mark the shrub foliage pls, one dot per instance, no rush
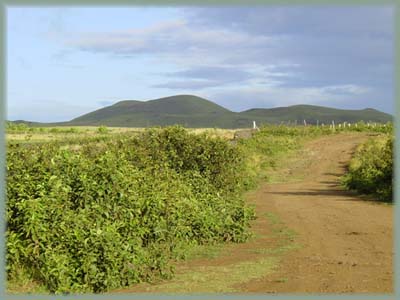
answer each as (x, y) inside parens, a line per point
(371, 169)
(115, 212)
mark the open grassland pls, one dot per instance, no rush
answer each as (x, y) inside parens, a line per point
(96, 209)
(24, 134)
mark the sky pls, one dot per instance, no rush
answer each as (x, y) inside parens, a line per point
(63, 62)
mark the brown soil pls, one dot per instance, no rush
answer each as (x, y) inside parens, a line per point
(341, 244)
(346, 242)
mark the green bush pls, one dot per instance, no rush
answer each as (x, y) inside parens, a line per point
(102, 129)
(115, 212)
(16, 127)
(72, 130)
(371, 169)
(54, 130)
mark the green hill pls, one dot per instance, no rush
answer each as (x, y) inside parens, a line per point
(193, 111)
(188, 110)
(312, 114)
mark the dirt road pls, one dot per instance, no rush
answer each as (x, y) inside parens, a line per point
(311, 236)
(346, 243)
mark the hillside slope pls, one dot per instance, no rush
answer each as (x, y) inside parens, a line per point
(188, 110)
(312, 114)
(193, 111)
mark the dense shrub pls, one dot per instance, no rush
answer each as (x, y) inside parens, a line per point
(115, 212)
(102, 129)
(16, 127)
(211, 157)
(371, 169)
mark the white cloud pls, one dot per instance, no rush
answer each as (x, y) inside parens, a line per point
(275, 96)
(294, 54)
(349, 89)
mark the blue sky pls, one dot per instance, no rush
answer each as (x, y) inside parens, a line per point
(64, 61)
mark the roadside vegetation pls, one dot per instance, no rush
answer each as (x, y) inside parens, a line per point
(371, 169)
(114, 213)
(92, 213)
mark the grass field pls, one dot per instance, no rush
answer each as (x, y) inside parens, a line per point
(45, 134)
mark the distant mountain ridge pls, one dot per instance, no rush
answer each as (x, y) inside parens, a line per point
(195, 112)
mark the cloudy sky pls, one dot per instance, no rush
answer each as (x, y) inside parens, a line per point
(64, 62)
